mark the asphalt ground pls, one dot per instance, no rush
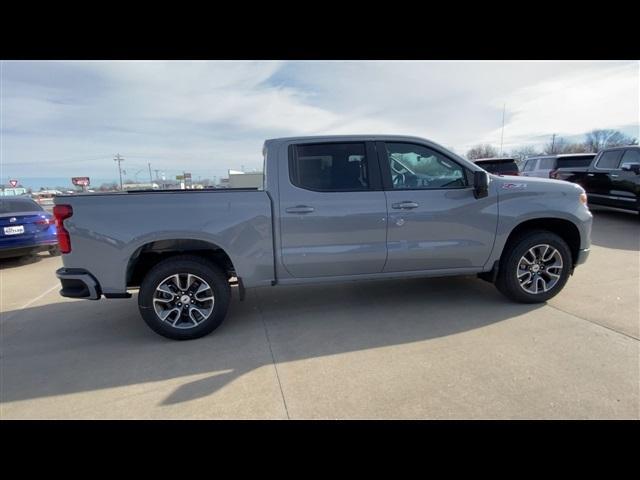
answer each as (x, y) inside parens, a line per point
(411, 349)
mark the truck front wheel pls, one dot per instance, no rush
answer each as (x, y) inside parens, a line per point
(184, 297)
(534, 267)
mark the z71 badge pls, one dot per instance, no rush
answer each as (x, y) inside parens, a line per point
(513, 186)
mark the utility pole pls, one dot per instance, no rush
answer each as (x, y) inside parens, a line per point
(504, 106)
(150, 177)
(553, 143)
(119, 159)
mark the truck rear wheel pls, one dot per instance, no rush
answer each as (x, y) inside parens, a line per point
(184, 297)
(534, 267)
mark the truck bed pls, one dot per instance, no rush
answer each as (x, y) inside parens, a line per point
(107, 230)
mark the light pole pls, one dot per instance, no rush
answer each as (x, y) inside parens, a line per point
(119, 159)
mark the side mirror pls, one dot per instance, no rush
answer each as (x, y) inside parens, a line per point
(480, 184)
(631, 167)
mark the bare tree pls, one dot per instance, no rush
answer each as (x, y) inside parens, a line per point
(596, 140)
(482, 151)
(520, 153)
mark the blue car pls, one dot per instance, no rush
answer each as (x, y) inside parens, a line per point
(25, 228)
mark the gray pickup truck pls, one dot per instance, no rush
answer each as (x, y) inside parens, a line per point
(332, 208)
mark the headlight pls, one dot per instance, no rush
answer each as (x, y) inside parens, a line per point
(583, 198)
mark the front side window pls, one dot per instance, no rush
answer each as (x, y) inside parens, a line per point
(609, 160)
(417, 167)
(631, 157)
(329, 167)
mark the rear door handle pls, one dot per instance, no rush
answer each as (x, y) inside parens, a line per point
(590, 174)
(614, 175)
(300, 209)
(405, 205)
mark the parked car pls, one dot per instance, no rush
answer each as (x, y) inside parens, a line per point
(499, 166)
(26, 228)
(334, 208)
(612, 179)
(546, 166)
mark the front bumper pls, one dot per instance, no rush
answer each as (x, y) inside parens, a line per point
(582, 256)
(78, 283)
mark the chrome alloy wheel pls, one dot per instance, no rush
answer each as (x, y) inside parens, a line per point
(539, 269)
(183, 300)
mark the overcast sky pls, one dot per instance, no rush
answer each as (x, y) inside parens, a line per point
(70, 118)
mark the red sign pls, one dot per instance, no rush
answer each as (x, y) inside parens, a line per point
(13, 183)
(81, 181)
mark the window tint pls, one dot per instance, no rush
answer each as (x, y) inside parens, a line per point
(15, 205)
(569, 162)
(631, 157)
(414, 166)
(546, 163)
(529, 165)
(329, 167)
(609, 160)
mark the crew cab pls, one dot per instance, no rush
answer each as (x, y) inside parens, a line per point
(612, 179)
(331, 209)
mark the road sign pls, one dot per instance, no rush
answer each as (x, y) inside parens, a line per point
(13, 183)
(80, 181)
(179, 177)
(187, 176)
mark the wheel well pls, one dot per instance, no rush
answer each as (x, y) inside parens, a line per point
(148, 255)
(563, 228)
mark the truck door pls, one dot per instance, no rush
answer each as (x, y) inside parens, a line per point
(435, 221)
(333, 213)
(599, 180)
(626, 180)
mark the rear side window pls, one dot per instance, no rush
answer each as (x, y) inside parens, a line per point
(329, 167)
(16, 205)
(530, 165)
(570, 162)
(546, 163)
(609, 160)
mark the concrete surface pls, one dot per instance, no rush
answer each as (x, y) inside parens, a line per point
(437, 348)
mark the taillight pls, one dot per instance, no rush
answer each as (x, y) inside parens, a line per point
(45, 221)
(61, 212)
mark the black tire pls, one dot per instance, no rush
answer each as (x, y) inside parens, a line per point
(507, 281)
(184, 264)
(55, 251)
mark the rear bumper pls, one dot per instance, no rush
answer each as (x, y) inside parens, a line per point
(582, 256)
(78, 283)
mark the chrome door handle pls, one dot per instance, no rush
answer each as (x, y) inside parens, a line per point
(405, 205)
(614, 175)
(590, 174)
(300, 209)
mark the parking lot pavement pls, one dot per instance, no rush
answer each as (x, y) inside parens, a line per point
(418, 348)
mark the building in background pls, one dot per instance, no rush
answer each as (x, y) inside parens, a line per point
(238, 179)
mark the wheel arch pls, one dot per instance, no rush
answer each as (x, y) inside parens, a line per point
(565, 229)
(150, 253)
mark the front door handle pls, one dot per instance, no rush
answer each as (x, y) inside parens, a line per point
(614, 175)
(300, 209)
(590, 174)
(405, 205)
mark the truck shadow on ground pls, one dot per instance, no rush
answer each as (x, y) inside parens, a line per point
(614, 229)
(13, 262)
(82, 346)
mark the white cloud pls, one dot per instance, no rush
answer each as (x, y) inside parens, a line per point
(210, 116)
